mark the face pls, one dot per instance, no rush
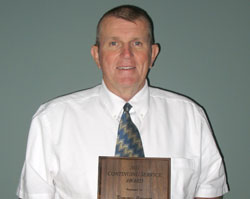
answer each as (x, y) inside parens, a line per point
(124, 55)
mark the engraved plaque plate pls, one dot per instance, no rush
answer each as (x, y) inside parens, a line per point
(134, 178)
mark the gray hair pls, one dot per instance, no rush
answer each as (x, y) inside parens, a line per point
(129, 13)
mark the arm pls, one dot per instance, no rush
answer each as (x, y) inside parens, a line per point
(220, 197)
(212, 182)
(36, 178)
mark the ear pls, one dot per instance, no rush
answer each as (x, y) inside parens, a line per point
(154, 53)
(95, 54)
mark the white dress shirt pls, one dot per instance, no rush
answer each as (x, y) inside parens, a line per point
(69, 133)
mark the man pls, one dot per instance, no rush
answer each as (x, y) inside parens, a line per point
(68, 134)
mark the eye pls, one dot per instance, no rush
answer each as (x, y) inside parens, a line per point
(138, 43)
(113, 43)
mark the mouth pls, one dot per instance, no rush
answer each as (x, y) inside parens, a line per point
(125, 67)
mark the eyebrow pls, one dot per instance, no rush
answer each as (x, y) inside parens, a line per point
(117, 38)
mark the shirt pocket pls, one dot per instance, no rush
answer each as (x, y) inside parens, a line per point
(182, 172)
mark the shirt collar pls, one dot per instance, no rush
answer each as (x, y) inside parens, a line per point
(115, 104)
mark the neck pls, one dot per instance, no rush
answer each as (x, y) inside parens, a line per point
(126, 93)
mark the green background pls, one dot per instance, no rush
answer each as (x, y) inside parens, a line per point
(205, 50)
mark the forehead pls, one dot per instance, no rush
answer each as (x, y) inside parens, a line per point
(113, 26)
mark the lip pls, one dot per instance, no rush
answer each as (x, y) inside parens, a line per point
(125, 67)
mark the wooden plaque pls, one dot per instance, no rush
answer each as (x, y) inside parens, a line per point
(134, 178)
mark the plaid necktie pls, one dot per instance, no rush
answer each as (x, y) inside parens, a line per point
(129, 142)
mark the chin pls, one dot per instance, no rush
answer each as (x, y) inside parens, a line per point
(127, 83)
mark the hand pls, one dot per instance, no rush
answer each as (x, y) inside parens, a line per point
(220, 197)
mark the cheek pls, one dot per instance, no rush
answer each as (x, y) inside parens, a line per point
(107, 59)
(144, 60)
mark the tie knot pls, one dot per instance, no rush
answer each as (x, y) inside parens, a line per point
(127, 107)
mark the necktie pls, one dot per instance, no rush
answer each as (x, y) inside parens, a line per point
(129, 142)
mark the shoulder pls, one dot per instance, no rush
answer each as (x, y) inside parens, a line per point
(158, 93)
(174, 100)
(78, 98)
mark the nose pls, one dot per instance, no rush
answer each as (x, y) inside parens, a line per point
(127, 51)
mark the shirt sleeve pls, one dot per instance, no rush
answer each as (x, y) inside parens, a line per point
(212, 181)
(36, 181)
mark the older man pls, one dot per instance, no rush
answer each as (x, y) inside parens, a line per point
(68, 134)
